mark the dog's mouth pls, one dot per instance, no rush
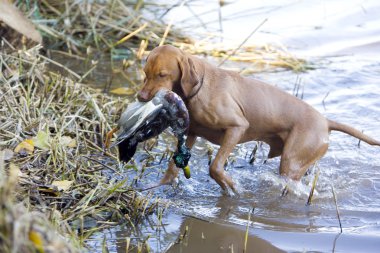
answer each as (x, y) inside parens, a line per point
(144, 96)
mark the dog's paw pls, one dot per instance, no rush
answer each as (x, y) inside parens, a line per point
(175, 182)
(168, 180)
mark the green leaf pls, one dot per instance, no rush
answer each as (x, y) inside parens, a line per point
(42, 140)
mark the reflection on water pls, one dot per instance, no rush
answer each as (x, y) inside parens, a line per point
(345, 88)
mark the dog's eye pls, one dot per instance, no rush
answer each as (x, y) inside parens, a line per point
(162, 74)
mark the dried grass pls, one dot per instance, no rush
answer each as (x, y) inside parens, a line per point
(261, 58)
(52, 129)
(74, 26)
(28, 231)
(126, 29)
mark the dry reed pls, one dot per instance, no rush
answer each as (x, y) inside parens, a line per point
(74, 26)
(51, 129)
(126, 29)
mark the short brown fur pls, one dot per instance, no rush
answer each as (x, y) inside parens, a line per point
(227, 109)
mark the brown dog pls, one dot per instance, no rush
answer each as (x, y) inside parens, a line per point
(227, 109)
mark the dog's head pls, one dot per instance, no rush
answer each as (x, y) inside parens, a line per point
(170, 68)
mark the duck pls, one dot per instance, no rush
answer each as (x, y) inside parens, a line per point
(144, 120)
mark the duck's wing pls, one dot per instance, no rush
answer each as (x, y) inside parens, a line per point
(151, 128)
(141, 117)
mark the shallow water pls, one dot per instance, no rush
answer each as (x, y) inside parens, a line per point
(345, 87)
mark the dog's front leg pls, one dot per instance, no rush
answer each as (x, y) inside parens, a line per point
(230, 138)
(172, 171)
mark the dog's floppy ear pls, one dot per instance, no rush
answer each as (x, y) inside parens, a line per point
(189, 75)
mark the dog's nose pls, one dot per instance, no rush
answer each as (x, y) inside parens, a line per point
(143, 96)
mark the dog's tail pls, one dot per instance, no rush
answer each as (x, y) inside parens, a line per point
(352, 131)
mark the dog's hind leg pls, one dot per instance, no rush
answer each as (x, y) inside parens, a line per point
(303, 148)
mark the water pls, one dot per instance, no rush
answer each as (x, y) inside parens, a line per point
(342, 40)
